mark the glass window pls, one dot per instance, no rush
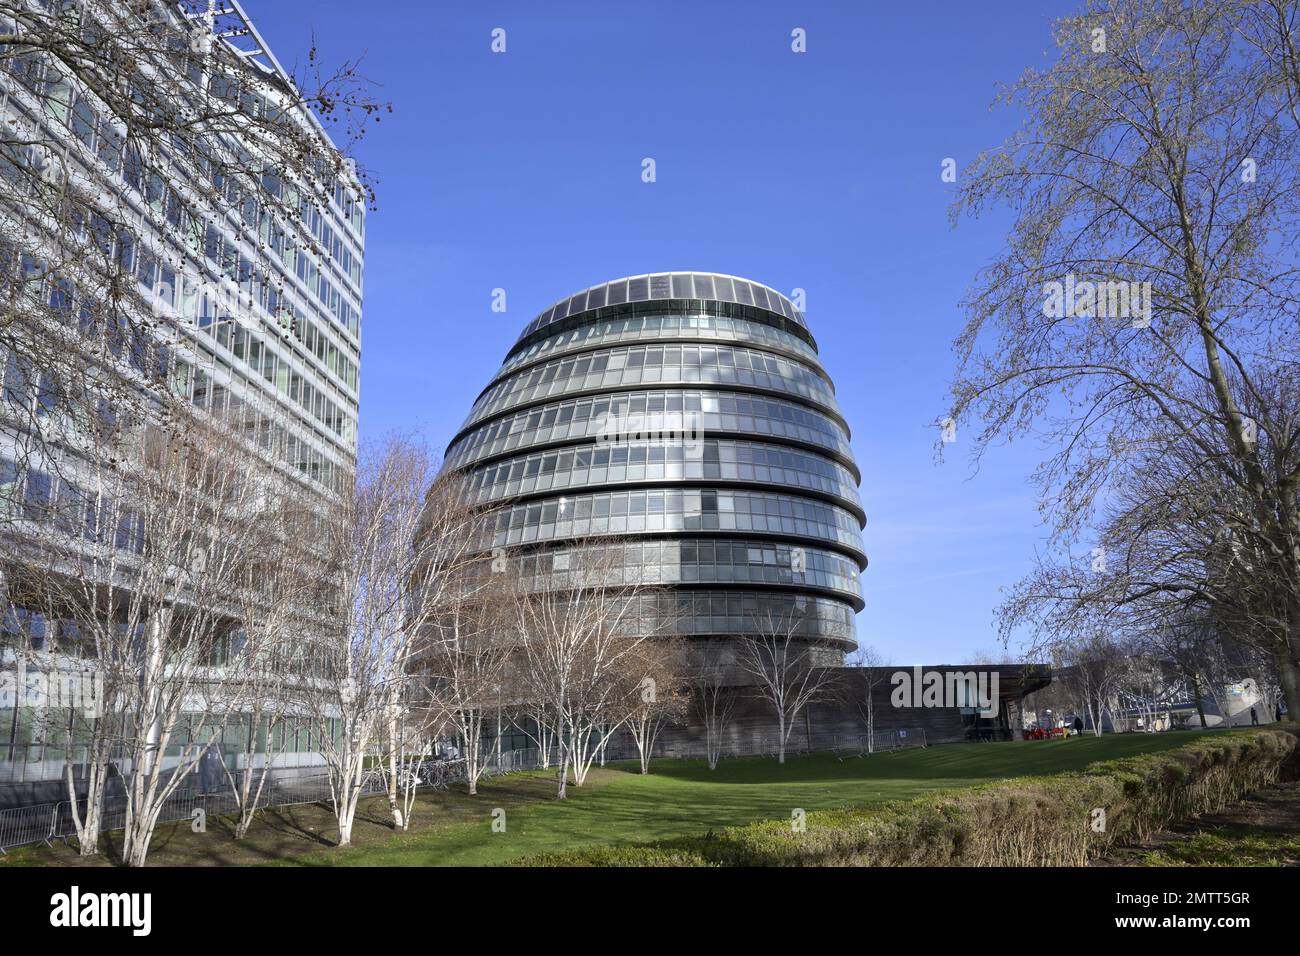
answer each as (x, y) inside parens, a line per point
(9, 485)
(38, 500)
(769, 416)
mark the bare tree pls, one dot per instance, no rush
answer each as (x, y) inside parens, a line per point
(1218, 671)
(468, 645)
(578, 625)
(1272, 27)
(378, 585)
(460, 623)
(1145, 685)
(786, 668)
(863, 691)
(1058, 698)
(1141, 319)
(142, 571)
(408, 727)
(658, 668)
(273, 597)
(194, 527)
(1093, 667)
(1181, 644)
(714, 695)
(535, 722)
(1260, 668)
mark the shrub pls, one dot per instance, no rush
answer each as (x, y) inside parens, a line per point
(1028, 821)
(647, 855)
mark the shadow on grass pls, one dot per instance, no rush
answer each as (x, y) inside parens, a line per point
(617, 806)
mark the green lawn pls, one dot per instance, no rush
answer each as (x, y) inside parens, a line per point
(1235, 846)
(618, 805)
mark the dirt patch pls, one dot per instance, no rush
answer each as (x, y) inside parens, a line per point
(1262, 830)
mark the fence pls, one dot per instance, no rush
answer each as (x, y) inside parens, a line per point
(896, 739)
(43, 763)
(878, 742)
(769, 745)
(47, 822)
(21, 825)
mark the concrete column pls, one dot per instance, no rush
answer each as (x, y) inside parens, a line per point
(1015, 718)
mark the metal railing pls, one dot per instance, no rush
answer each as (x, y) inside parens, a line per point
(769, 746)
(45, 763)
(884, 740)
(47, 822)
(880, 741)
(21, 825)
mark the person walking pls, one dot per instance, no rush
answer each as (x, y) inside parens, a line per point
(1254, 718)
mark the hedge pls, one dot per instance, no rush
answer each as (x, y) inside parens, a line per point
(1027, 821)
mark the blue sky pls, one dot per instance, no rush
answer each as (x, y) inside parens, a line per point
(818, 170)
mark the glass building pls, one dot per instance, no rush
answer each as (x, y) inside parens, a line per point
(247, 305)
(688, 417)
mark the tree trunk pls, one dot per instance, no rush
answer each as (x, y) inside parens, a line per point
(1288, 672)
(348, 807)
(345, 820)
(396, 762)
(139, 849)
(89, 844)
(138, 835)
(88, 826)
(151, 687)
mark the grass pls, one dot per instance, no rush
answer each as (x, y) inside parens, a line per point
(618, 806)
(1263, 830)
(1038, 819)
(1230, 846)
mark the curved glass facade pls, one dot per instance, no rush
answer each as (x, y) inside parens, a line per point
(636, 327)
(688, 417)
(709, 287)
(718, 413)
(713, 561)
(630, 366)
(690, 510)
(638, 462)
